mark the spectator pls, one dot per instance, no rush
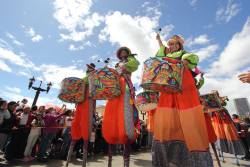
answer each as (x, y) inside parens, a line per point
(33, 109)
(91, 142)
(99, 138)
(23, 103)
(245, 77)
(50, 120)
(66, 135)
(20, 135)
(33, 136)
(7, 124)
(247, 131)
(4, 113)
(42, 109)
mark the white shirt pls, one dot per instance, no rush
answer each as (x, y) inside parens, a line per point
(35, 130)
(68, 123)
(92, 137)
(24, 119)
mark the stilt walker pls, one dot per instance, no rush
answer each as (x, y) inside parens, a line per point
(118, 117)
(181, 136)
(211, 134)
(82, 124)
(225, 130)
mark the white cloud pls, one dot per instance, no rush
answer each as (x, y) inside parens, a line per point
(145, 4)
(49, 36)
(22, 54)
(56, 74)
(193, 2)
(125, 30)
(208, 26)
(73, 48)
(206, 52)
(25, 74)
(75, 14)
(30, 32)
(14, 39)
(225, 15)
(5, 45)
(235, 56)
(4, 66)
(14, 97)
(94, 57)
(37, 38)
(17, 90)
(87, 43)
(202, 39)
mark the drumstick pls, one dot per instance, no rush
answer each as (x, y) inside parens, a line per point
(159, 30)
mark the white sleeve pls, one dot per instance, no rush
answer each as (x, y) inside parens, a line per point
(6, 114)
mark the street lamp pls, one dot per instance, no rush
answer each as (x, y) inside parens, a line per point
(143, 113)
(38, 90)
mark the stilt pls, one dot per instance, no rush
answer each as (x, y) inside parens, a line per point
(215, 153)
(71, 147)
(222, 158)
(85, 153)
(237, 162)
(111, 147)
(126, 155)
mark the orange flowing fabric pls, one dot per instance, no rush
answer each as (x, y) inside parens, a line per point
(224, 128)
(80, 125)
(210, 129)
(113, 125)
(151, 116)
(180, 118)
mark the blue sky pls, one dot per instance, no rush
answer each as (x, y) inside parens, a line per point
(52, 40)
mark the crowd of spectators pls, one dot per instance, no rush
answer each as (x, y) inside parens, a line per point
(27, 132)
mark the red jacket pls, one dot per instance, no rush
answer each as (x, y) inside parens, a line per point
(27, 130)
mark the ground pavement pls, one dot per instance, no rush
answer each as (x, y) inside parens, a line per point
(140, 158)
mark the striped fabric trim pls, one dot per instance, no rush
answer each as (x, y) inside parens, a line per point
(178, 109)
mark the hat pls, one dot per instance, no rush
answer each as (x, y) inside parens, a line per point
(91, 65)
(118, 52)
(176, 38)
(13, 103)
(214, 91)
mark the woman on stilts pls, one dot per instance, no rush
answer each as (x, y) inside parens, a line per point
(181, 137)
(82, 124)
(118, 117)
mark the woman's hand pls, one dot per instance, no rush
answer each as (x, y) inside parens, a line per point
(158, 37)
(106, 66)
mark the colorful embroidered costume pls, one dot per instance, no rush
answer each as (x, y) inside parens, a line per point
(82, 124)
(225, 130)
(118, 117)
(181, 136)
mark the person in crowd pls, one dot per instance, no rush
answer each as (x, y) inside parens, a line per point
(99, 139)
(8, 124)
(4, 113)
(23, 103)
(242, 134)
(66, 135)
(42, 109)
(35, 132)
(79, 148)
(246, 126)
(33, 110)
(20, 135)
(245, 78)
(50, 120)
(91, 142)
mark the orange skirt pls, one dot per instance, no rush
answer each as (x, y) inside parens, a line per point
(118, 118)
(211, 134)
(179, 117)
(82, 124)
(151, 116)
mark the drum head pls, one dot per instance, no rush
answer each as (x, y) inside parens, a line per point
(148, 107)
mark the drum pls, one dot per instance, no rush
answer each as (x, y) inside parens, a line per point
(211, 102)
(147, 101)
(104, 84)
(72, 90)
(162, 75)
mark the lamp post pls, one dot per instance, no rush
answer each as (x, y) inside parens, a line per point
(143, 113)
(38, 90)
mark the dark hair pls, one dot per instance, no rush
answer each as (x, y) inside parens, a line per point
(67, 112)
(246, 120)
(236, 116)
